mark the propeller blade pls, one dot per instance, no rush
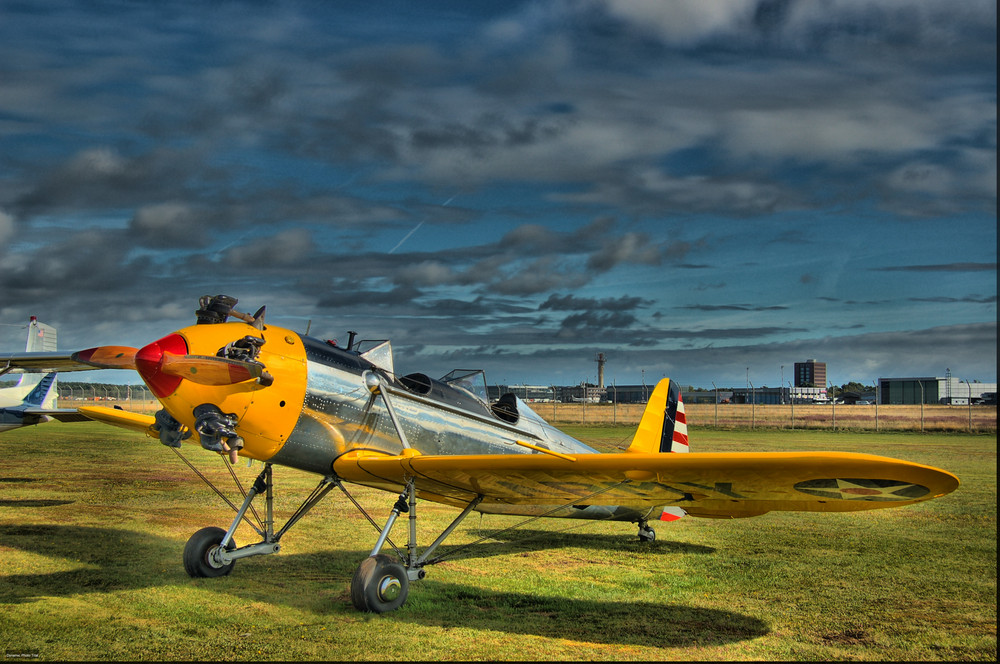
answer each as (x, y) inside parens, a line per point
(108, 357)
(208, 369)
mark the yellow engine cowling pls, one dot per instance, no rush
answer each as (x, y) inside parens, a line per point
(266, 411)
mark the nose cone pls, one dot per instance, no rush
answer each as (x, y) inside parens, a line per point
(149, 363)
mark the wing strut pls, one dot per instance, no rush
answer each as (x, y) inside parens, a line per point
(374, 384)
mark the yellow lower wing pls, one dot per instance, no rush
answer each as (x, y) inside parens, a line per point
(119, 418)
(710, 485)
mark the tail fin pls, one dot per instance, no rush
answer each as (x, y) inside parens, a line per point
(41, 339)
(40, 394)
(663, 427)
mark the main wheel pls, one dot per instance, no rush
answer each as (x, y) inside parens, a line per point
(198, 559)
(379, 585)
(647, 534)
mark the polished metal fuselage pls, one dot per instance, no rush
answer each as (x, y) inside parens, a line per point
(340, 414)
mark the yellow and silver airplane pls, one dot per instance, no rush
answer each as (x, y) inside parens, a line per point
(246, 389)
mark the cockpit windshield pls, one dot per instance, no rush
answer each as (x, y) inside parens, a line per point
(377, 351)
(472, 381)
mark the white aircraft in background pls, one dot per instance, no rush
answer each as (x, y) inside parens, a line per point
(33, 399)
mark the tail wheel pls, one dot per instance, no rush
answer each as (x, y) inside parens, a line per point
(646, 534)
(198, 558)
(379, 585)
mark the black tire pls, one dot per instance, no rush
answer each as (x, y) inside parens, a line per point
(379, 585)
(197, 558)
(647, 535)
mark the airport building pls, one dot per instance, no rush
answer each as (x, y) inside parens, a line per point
(947, 390)
(778, 395)
(810, 374)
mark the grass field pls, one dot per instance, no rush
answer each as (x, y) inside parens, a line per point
(93, 521)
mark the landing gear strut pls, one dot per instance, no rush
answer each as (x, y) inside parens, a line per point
(212, 552)
(382, 582)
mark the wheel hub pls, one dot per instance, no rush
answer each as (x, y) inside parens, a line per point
(212, 557)
(389, 588)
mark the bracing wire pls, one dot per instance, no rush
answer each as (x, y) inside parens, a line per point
(493, 535)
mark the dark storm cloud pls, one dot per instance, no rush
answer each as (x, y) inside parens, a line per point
(170, 225)
(572, 303)
(286, 249)
(481, 307)
(866, 302)
(731, 307)
(539, 276)
(975, 299)
(945, 267)
(535, 239)
(103, 178)
(728, 333)
(346, 294)
(349, 107)
(649, 191)
(598, 320)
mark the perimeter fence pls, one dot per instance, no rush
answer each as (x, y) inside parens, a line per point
(789, 416)
(871, 417)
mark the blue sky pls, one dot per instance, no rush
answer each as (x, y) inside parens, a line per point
(696, 189)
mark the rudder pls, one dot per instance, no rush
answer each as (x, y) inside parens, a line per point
(663, 427)
(41, 392)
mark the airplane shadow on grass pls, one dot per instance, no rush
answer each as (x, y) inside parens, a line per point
(522, 540)
(119, 560)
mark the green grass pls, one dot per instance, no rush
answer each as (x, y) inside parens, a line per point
(93, 521)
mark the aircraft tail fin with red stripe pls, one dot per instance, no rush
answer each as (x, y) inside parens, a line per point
(663, 429)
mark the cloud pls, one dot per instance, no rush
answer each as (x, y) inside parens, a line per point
(644, 189)
(288, 248)
(731, 307)
(6, 227)
(941, 267)
(800, 24)
(628, 248)
(572, 303)
(172, 224)
(602, 153)
(975, 299)
(539, 276)
(596, 320)
(684, 22)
